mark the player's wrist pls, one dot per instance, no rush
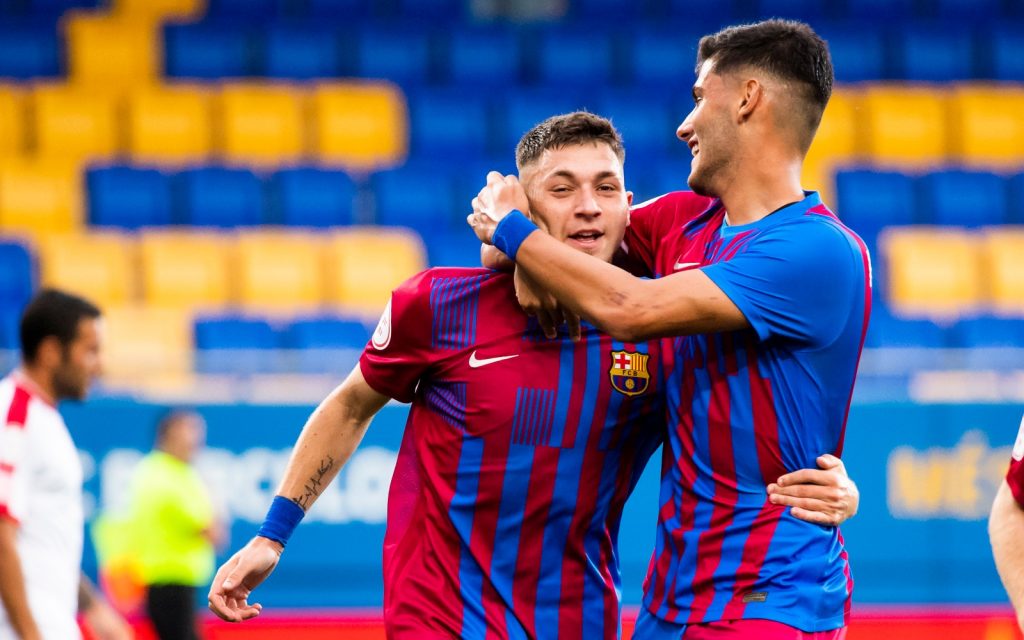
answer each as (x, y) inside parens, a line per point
(511, 231)
(282, 518)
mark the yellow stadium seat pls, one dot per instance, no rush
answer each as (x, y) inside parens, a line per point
(905, 126)
(1003, 250)
(112, 52)
(184, 270)
(279, 271)
(365, 264)
(144, 342)
(160, 9)
(39, 197)
(12, 122)
(988, 125)
(835, 143)
(99, 266)
(360, 126)
(261, 124)
(74, 122)
(169, 125)
(933, 271)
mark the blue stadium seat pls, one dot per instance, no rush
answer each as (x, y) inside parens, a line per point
(244, 10)
(886, 330)
(419, 196)
(1016, 186)
(663, 59)
(967, 10)
(235, 344)
(9, 320)
(574, 57)
(399, 55)
(312, 197)
(987, 331)
(858, 52)
(453, 248)
(28, 49)
(16, 275)
(326, 332)
(57, 7)
(878, 12)
(964, 198)
(219, 197)
(207, 50)
(128, 198)
(937, 54)
(432, 10)
(624, 13)
(448, 124)
(302, 52)
(484, 57)
(869, 200)
(347, 9)
(1007, 47)
(521, 109)
(647, 127)
(710, 15)
(812, 11)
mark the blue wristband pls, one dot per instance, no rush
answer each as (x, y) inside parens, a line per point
(511, 232)
(282, 518)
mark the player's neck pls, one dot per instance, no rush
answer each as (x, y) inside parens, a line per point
(757, 191)
(39, 382)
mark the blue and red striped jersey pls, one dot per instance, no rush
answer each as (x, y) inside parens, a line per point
(518, 455)
(747, 407)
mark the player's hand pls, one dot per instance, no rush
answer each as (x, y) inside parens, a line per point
(235, 580)
(541, 304)
(496, 200)
(824, 496)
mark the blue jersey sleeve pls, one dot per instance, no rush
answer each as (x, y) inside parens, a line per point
(797, 281)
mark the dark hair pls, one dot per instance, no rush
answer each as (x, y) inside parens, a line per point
(580, 127)
(52, 313)
(170, 418)
(787, 49)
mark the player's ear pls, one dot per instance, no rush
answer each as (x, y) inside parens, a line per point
(752, 94)
(629, 202)
(49, 353)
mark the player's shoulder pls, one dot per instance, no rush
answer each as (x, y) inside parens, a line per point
(20, 405)
(820, 225)
(424, 282)
(677, 202)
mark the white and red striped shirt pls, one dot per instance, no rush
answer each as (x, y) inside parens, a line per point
(41, 490)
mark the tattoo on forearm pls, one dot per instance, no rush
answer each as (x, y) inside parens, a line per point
(315, 484)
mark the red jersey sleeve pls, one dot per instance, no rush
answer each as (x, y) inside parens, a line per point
(399, 352)
(1015, 476)
(651, 221)
(15, 475)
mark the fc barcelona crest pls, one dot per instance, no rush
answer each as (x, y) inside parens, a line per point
(629, 372)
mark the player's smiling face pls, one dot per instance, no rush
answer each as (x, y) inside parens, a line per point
(577, 194)
(709, 131)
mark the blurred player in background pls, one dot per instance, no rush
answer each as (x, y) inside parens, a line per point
(519, 451)
(41, 520)
(1006, 528)
(769, 297)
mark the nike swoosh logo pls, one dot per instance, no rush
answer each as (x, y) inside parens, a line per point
(476, 363)
(679, 266)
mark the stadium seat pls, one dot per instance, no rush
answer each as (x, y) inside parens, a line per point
(1003, 251)
(234, 344)
(657, 56)
(812, 11)
(858, 54)
(54, 8)
(335, 9)
(160, 10)
(892, 332)
(112, 52)
(184, 269)
(521, 109)
(146, 343)
(964, 198)
(128, 198)
(1017, 199)
(259, 11)
(17, 275)
(937, 54)
(574, 57)
(418, 196)
(869, 200)
(10, 318)
(448, 124)
(881, 11)
(361, 126)
(261, 124)
(835, 144)
(303, 52)
(74, 122)
(219, 197)
(431, 10)
(647, 128)
(712, 15)
(39, 197)
(366, 264)
(1007, 47)
(484, 57)
(29, 49)
(988, 124)
(326, 332)
(933, 272)
(208, 51)
(312, 197)
(905, 125)
(279, 271)
(169, 125)
(987, 331)
(953, 11)
(12, 122)
(99, 266)
(402, 56)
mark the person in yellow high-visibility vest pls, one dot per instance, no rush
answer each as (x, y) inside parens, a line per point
(173, 525)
